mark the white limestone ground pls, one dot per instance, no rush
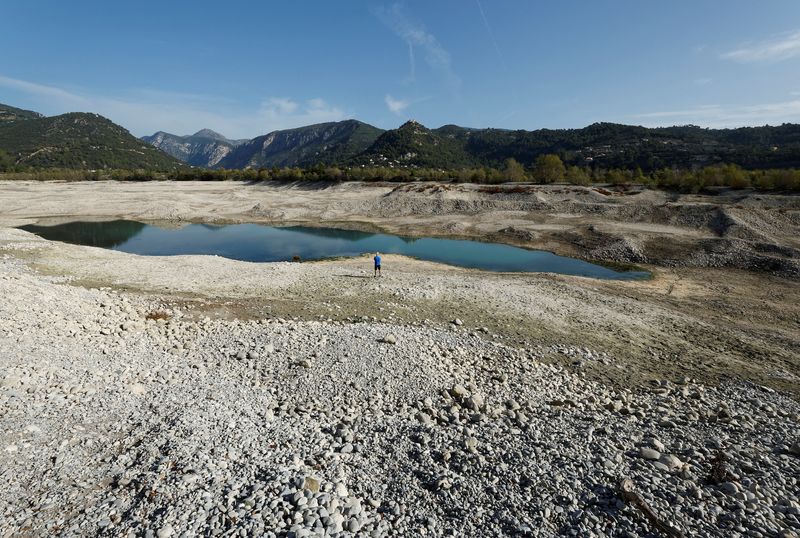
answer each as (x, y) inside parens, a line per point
(115, 425)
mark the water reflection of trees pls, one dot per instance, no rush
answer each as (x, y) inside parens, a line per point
(331, 233)
(408, 240)
(96, 234)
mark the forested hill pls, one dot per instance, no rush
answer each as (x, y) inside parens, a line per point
(605, 145)
(76, 140)
(10, 113)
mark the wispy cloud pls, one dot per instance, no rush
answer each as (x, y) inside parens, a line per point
(416, 36)
(145, 111)
(704, 81)
(781, 47)
(396, 106)
(726, 116)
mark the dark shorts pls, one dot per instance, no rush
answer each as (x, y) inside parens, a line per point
(377, 266)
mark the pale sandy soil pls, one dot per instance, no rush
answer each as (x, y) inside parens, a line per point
(710, 323)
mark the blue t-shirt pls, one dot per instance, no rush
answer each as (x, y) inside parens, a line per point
(377, 260)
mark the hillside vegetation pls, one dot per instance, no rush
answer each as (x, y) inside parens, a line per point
(77, 140)
(605, 145)
(10, 113)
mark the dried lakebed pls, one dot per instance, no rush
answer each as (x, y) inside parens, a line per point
(318, 401)
(118, 425)
(260, 243)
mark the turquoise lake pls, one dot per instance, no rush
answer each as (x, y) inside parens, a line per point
(261, 243)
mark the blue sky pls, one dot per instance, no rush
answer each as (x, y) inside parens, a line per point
(246, 68)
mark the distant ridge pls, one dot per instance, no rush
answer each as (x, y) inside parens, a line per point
(75, 140)
(323, 143)
(205, 148)
(10, 113)
(606, 145)
(83, 140)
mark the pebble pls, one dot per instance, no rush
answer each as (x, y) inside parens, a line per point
(649, 453)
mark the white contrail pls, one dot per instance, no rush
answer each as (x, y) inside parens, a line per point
(499, 55)
(491, 34)
(412, 63)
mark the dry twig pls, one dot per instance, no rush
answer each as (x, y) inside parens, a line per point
(627, 493)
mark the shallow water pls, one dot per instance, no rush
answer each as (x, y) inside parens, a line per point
(260, 243)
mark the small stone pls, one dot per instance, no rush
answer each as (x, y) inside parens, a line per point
(443, 483)
(729, 488)
(459, 392)
(686, 471)
(165, 531)
(458, 322)
(424, 418)
(649, 453)
(252, 355)
(389, 339)
(671, 461)
(474, 402)
(312, 484)
(10, 381)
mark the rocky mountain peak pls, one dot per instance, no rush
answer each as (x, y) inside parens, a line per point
(208, 133)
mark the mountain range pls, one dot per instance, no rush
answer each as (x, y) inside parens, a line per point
(85, 140)
(608, 145)
(205, 148)
(323, 143)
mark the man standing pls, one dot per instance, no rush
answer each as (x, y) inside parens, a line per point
(377, 260)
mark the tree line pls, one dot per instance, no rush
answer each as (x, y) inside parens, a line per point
(546, 169)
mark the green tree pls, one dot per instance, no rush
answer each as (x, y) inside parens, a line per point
(578, 176)
(6, 162)
(333, 173)
(735, 177)
(549, 169)
(617, 177)
(514, 171)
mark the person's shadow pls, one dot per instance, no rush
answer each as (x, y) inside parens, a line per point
(356, 276)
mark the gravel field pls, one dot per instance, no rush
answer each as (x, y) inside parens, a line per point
(198, 396)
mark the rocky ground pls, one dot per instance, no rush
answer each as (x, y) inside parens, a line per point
(193, 396)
